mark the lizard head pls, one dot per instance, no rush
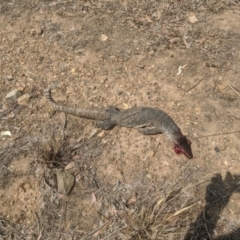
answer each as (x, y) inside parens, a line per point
(183, 145)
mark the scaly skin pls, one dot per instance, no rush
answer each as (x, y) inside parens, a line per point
(148, 121)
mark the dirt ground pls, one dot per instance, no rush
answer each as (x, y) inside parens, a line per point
(180, 56)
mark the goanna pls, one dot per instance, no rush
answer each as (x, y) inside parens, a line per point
(147, 120)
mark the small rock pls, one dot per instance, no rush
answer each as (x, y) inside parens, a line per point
(213, 65)
(103, 79)
(70, 165)
(54, 84)
(151, 153)
(217, 150)
(221, 87)
(149, 176)
(40, 59)
(6, 133)
(151, 52)
(195, 134)
(39, 31)
(101, 134)
(20, 50)
(94, 133)
(22, 100)
(192, 18)
(13, 95)
(126, 58)
(62, 66)
(65, 181)
(125, 105)
(207, 64)
(142, 66)
(104, 38)
(8, 77)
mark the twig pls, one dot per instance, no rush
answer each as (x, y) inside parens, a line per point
(197, 83)
(64, 127)
(40, 235)
(234, 89)
(209, 236)
(119, 230)
(39, 223)
(95, 230)
(218, 134)
(221, 198)
(232, 114)
(201, 91)
(181, 68)
(62, 215)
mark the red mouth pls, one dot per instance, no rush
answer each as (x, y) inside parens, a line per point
(180, 151)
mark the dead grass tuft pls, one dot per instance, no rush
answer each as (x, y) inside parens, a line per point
(163, 214)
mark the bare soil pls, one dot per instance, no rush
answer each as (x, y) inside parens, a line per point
(180, 56)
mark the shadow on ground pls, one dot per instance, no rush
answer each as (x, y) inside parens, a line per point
(218, 193)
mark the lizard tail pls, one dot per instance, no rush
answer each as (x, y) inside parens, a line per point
(94, 114)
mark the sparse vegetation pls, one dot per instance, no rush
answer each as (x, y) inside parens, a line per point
(181, 56)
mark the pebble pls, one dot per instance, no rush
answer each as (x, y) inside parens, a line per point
(94, 132)
(151, 52)
(101, 134)
(151, 153)
(104, 37)
(103, 79)
(62, 66)
(65, 181)
(39, 30)
(23, 100)
(54, 84)
(6, 133)
(8, 77)
(149, 176)
(13, 95)
(217, 150)
(221, 87)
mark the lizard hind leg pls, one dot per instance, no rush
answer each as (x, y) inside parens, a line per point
(108, 124)
(105, 125)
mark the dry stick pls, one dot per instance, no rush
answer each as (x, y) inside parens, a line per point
(64, 127)
(218, 134)
(232, 114)
(197, 83)
(40, 235)
(201, 91)
(234, 89)
(221, 198)
(62, 215)
(39, 224)
(95, 230)
(206, 225)
(119, 230)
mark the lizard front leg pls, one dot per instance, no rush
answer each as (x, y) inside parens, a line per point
(149, 131)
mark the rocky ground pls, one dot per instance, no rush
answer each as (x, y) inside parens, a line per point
(180, 56)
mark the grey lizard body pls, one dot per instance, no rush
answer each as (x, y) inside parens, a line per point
(146, 120)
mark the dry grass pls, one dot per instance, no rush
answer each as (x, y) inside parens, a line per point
(147, 214)
(163, 211)
(175, 209)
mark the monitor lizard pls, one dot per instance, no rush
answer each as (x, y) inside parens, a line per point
(147, 120)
